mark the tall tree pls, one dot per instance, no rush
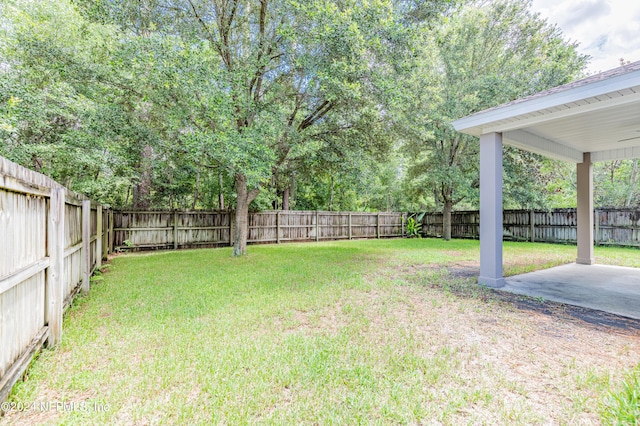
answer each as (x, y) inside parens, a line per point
(282, 69)
(481, 57)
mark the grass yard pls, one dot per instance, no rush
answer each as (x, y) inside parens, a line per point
(327, 333)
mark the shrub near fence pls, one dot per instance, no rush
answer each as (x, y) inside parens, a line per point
(50, 242)
(185, 229)
(611, 226)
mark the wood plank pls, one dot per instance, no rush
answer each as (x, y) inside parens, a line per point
(175, 230)
(99, 236)
(195, 243)
(72, 295)
(86, 243)
(54, 286)
(156, 228)
(17, 369)
(73, 199)
(15, 185)
(110, 232)
(23, 274)
(203, 228)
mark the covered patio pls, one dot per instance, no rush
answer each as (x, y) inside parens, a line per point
(591, 120)
(612, 289)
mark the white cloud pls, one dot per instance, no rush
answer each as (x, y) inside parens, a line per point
(607, 30)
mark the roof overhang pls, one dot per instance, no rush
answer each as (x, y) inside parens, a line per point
(599, 114)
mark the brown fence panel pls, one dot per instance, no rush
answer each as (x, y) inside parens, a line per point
(612, 226)
(144, 230)
(203, 229)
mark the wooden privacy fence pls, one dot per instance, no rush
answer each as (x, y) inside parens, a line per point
(611, 226)
(184, 229)
(51, 240)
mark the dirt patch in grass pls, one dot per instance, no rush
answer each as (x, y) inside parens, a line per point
(464, 270)
(599, 320)
(495, 360)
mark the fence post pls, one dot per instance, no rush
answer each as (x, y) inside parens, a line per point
(110, 232)
(532, 225)
(55, 273)
(86, 245)
(597, 224)
(105, 234)
(99, 236)
(175, 229)
(231, 228)
(402, 224)
(278, 227)
(350, 232)
(317, 227)
(378, 225)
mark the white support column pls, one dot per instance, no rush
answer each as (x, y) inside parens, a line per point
(585, 211)
(491, 210)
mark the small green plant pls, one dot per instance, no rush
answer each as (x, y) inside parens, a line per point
(126, 246)
(622, 407)
(413, 228)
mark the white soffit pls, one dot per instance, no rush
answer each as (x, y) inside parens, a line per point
(600, 114)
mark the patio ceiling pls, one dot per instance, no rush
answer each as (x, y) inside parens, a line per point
(599, 114)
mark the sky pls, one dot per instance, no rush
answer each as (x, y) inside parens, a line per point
(607, 30)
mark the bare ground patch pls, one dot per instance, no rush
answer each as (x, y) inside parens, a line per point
(495, 364)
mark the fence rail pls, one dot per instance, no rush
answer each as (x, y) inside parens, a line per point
(184, 229)
(611, 226)
(51, 240)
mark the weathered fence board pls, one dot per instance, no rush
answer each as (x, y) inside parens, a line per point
(141, 230)
(612, 226)
(41, 247)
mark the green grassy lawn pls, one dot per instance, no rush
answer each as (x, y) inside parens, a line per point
(323, 333)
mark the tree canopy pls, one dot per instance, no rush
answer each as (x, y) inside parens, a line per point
(321, 104)
(481, 57)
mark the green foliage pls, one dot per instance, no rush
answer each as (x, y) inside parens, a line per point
(481, 57)
(413, 228)
(345, 105)
(616, 183)
(622, 406)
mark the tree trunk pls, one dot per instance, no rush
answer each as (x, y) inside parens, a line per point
(292, 189)
(245, 197)
(446, 220)
(331, 195)
(220, 192)
(285, 199)
(196, 191)
(142, 190)
(633, 180)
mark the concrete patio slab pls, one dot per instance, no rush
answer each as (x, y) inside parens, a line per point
(611, 289)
